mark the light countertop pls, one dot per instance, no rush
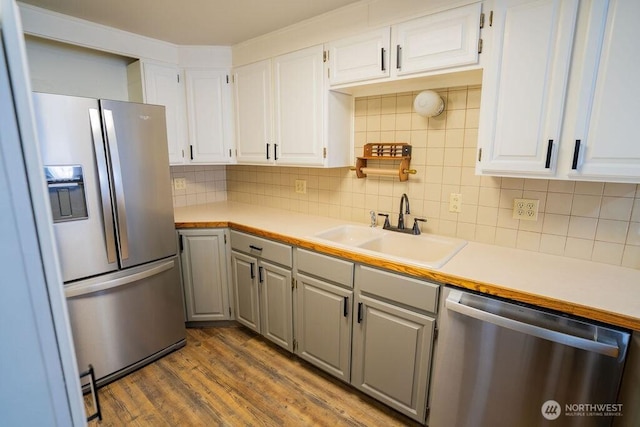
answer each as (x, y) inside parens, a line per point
(602, 292)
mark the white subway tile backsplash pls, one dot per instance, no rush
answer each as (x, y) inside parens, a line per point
(587, 220)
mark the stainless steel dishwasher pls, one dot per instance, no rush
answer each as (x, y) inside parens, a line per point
(505, 364)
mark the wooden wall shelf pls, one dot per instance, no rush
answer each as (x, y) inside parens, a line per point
(385, 152)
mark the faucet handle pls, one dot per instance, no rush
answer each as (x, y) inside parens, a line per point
(415, 229)
(387, 224)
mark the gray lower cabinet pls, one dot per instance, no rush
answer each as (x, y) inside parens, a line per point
(393, 339)
(323, 326)
(262, 282)
(203, 258)
(324, 311)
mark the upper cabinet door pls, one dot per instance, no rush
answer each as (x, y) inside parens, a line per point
(604, 142)
(524, 86)
(298, 107)
(253, 108)
(163, 85)
(209, 112)
(362, 57)
(437, 41)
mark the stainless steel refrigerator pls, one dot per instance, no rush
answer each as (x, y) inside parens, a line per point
(107, 170)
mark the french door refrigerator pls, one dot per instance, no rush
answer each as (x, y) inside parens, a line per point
(107, 170)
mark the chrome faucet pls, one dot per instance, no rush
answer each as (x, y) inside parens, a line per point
(403, 200)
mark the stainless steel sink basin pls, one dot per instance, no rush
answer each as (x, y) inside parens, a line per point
(426, 250)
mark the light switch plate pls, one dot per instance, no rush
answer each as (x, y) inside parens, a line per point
(525, 209)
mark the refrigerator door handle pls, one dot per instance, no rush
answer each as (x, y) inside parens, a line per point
(103, 178)
(112, 143)
(79, 289)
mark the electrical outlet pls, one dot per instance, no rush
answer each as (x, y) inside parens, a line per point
(525, 209)
(455, 202)
(301, 186)
(179, 183)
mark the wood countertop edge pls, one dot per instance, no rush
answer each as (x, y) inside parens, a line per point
(579, 310)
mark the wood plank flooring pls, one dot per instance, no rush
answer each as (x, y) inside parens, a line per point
(230, 376)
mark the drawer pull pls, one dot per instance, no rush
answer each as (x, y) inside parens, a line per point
(255, 248)
(359, 312)
(345, 311)
(253, 274)
(260, 274)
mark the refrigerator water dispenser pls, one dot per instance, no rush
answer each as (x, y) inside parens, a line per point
(66, 192)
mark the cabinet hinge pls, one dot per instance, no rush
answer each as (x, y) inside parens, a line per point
(491, 18)
(324, 153)
(482, 20)
(295, 344)
(293, 283)
(435, 333)
(325, 55)
(328, 73)
(229, 311)
(479, 45)
(183, 154)
(480, 154)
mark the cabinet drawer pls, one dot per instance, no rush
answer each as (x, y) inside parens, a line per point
(405, 290)
(326, 267)
(263, 248)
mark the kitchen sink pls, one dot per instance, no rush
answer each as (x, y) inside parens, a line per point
(426, 250)
(351, 235)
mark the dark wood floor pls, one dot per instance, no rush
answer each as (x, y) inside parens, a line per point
(229, 376)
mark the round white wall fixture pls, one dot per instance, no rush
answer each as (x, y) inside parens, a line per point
(428, 104)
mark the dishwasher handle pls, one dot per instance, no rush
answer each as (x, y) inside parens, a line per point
(453, 303)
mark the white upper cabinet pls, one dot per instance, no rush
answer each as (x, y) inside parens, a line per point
(524, 86)
(209, 113)
(560, 92)
(286, 116)
(198, 109)
(421, 46)
(362, 57)
(163, 85)
(298, 113)
(253, 112)
(442, 40)
(603, 140)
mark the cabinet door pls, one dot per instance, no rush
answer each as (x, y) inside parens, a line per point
(441, 40)
(275, 304)
(204, 270)
(253, 108)
(323, 325)
(209, 112)
(392, 355)
(524, 86)
(362, 57)
(245, 283)
(298, 107)
(609, 101)
(163, 85)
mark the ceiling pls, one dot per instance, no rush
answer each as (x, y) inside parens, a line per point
(194, 22)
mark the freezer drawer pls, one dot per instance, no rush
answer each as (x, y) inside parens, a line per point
(122, 320)
(505, 364)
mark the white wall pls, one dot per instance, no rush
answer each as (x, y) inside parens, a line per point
(71, 70)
